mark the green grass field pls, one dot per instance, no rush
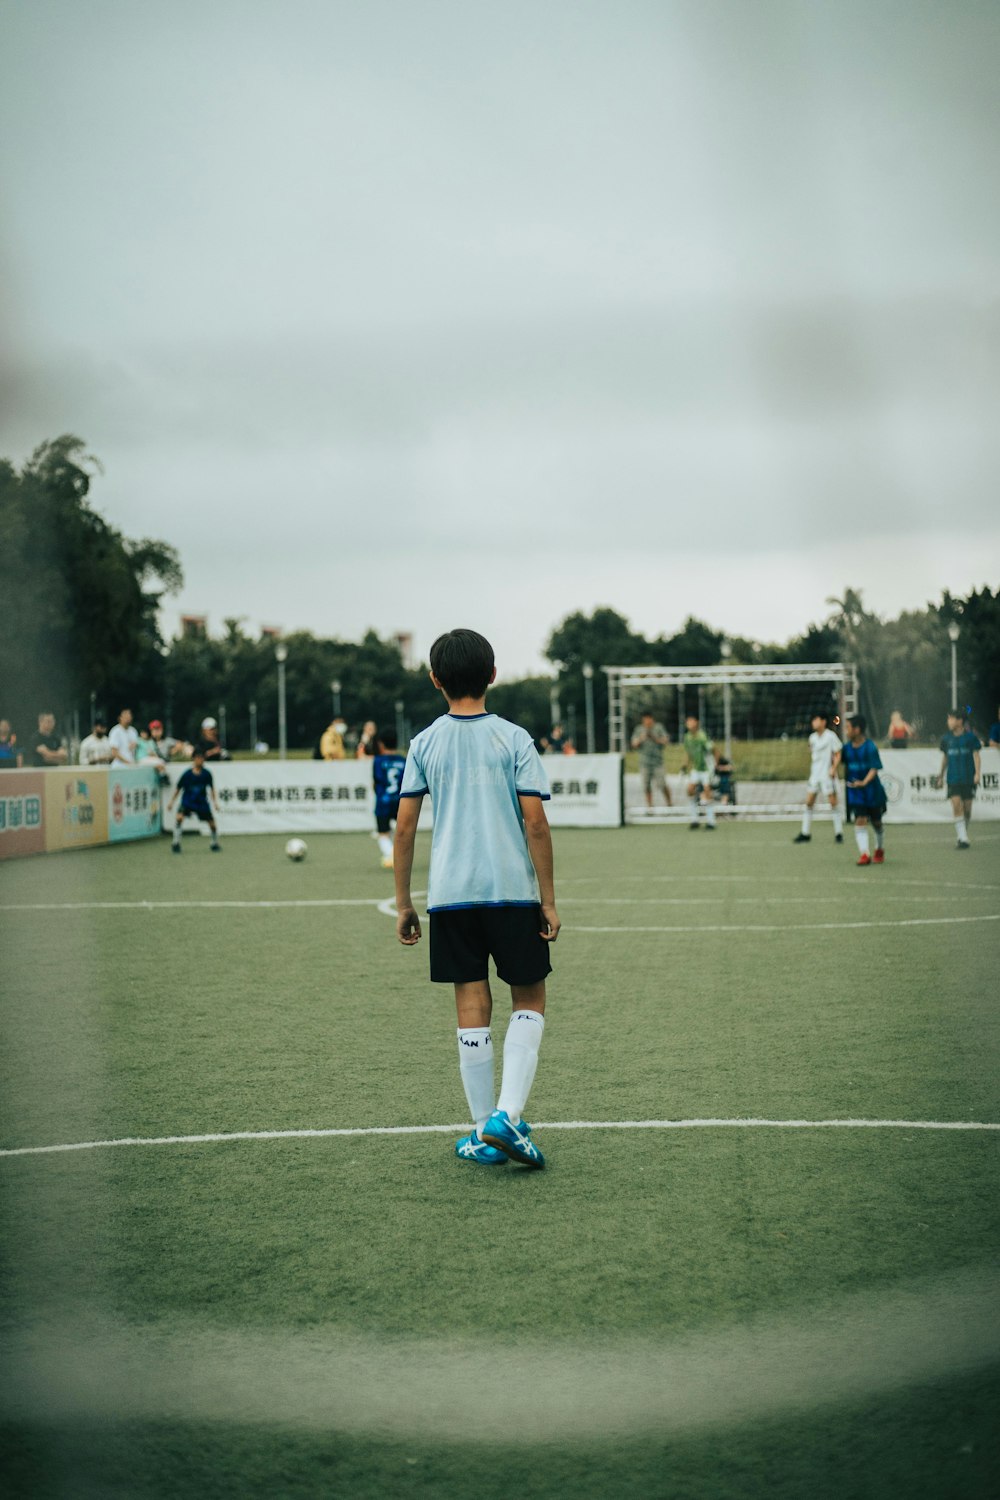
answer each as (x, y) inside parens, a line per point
(719, 1310)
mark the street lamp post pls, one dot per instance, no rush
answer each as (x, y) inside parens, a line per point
(953, 634)
(254, 737)
(588, 693)
(726, 651)
(281, 656)
(555, 712)
(400, 727)
(335, 690)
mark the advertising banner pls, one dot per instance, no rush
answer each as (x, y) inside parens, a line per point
(133, 803)
(909, 778)
(303, 796)
(22, 813)
(76, 807)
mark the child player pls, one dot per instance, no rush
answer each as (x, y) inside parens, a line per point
(698, 749)
(866, 798)
(824, 751)
(490, 893)
(194, 788)
(387, 776)
(960, 763)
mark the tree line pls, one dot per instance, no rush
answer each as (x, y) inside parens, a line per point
(83, 610)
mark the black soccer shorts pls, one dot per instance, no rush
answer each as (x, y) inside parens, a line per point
(964, 789)
(463, 941)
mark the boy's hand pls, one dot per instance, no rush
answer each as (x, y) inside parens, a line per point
(407, 926)
(550, 917)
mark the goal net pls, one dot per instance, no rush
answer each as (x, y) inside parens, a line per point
(758, 719)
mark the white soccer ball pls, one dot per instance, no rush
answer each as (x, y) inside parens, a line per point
(296, 849)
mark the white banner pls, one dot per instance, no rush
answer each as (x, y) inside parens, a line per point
(909, 780)
(336, 796)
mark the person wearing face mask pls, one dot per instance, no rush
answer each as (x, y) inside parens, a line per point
(331, 744)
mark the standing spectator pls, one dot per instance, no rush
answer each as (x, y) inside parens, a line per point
(123, 739)
(368, 743)
(147, 754)
(649, 739)
(95, 748)
(49, 748)
(331, 741)
(555, 741)
(960, 759)
(724, 783)
(208, 743)
(11, 758)
(900, 733)
(995, 732)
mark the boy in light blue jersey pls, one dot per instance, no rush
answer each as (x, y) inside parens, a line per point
(491, 891)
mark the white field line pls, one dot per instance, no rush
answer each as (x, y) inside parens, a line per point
(372, 901)
(796, 926)
(329, 1378)
(695, 1124)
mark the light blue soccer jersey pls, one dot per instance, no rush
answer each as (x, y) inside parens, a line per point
(474, 769)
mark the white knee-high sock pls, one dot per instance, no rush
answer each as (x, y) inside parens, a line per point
(807, 817)
(838, 820)
(695, 808)
(861, 835)
(520, 1059)
(880, 838)
(385, 845)
(961, 830)
(475, 1063)
(710, 814)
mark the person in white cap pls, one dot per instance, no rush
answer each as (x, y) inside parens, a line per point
(208, 742)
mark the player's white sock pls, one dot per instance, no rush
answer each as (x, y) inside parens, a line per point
(475, 1063)
(807, 817)
(385, 845)
(880, 838)
(695, 808)
(838, 821)
(861, 835)
(961, 831)
(520, 1059)
(710, 814)
(177, 837)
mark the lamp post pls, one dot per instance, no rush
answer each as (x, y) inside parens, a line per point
(281, 656)
(253, 727)
(588, 693)
(335, 690)
(555, 712)
(953, 634)
(400, 727)
(726, 651)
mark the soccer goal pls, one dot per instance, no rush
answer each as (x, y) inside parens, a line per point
(758, 717)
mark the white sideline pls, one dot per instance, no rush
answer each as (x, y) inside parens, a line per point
(694, 1124)
(797, 926)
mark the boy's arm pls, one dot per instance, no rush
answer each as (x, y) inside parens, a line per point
(539, 837)
(407, 921)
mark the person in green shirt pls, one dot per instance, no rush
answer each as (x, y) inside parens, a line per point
(700, 765)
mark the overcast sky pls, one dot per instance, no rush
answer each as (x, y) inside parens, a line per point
(414, 314)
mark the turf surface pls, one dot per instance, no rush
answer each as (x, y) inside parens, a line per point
(383, 1277)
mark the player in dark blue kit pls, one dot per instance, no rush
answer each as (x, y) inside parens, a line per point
(387, 774)
(194, 789)
(866, 799)
(960, 762)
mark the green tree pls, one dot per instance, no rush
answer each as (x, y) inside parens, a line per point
(82, 598)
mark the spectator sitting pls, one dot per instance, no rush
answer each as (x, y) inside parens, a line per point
(95, 748)
(723, 780)
(552, 743)
(164, 744)
(208, 745)
(331, 742)
(994, 740)
(123, 739)
(568, 747)
(11, 758)
(50, 749)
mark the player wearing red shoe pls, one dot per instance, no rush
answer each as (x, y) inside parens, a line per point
(866, 799)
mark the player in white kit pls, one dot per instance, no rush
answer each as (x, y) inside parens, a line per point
(824, 750)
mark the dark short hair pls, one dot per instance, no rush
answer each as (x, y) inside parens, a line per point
(387, 738)
(957, 713)
(858, 721)
(822, 713)
(100, 720)
(647, 713)
(462, 661)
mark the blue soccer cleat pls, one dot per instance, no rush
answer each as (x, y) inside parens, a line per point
(472, 1148)
(514, 1140)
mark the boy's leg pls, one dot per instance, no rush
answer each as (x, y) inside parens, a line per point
(709, 808)
(214, 842)
(958, 809)
(474, 1006)
(879, 840)
(694, 795)
(175, 843)
(838, 821)
(861, 836)
(520, 1048)
(807, 815)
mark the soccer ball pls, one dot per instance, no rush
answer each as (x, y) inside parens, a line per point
(296, 849)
